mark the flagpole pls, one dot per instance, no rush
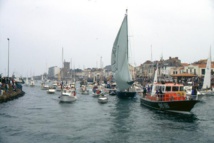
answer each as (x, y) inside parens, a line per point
(8, 57)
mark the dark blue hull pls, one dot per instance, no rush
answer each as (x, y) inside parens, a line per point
(126, 95)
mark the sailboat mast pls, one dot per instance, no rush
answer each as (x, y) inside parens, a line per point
(62, 57)
(127, 34)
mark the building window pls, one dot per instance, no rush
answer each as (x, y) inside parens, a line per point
(168, 88)
(203, 71)
(175, 72)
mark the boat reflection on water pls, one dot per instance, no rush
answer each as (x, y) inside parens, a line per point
(171, 116)
(123, 122)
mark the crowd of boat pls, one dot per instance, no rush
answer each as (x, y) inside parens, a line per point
(164, 96)
(159, 95)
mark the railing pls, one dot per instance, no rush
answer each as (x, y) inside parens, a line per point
(173, 96)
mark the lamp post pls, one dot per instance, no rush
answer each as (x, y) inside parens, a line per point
(8, 57)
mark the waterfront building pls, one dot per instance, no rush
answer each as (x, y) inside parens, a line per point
(53, 72)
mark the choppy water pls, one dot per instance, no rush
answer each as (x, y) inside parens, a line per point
(38, 117)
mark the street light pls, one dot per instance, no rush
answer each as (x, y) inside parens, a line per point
(8, 57)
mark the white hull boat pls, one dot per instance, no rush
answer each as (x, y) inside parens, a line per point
(51, 91)
(67, 98)
(44, 87)
(68, 95)
(95, 95)
(103, 99)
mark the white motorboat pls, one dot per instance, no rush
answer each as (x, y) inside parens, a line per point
(97, 93)
(103, 99)
(83, 90)
(68, 96)
(44, 86)
(51, 91)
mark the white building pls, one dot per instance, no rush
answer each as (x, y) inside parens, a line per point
(53, 72)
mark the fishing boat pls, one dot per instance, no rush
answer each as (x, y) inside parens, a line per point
(207, 88)
(120, 63)
(169, 97)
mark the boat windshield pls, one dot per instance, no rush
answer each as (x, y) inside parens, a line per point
(175, 88)
(168, 88)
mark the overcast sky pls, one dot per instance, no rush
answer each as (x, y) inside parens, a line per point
(86, 30)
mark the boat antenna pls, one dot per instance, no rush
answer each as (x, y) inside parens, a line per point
(126, 11)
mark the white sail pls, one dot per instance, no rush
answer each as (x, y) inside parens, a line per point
(26, 81)
(207, 77)
(155, 81)
(119, 58)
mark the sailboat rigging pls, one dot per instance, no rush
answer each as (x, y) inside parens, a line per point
(120, 64)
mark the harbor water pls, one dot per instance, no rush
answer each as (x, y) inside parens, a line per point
(38, 117)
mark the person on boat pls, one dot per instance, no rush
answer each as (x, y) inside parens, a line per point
(160, 94)
(95, 88)
(194, 93)
(62, 85)
(149, 89)
(73, 87)
(144, 91)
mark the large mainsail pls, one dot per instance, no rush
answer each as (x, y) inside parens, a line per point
(119, 58)
(207, 77)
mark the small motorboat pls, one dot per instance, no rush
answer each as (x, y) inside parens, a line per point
(44, 86)
(97, 93)
(51, 91)
(103, 98)
(68, 96)
(84, 90)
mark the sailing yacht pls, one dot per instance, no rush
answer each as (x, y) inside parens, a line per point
(207, 88)
(32, 83)
(26, 81)
(120, 64)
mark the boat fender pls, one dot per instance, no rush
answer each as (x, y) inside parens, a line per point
(171, 98)
(98, 91)
(74, 93)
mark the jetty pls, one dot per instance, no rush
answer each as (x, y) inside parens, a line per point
(9, 92)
